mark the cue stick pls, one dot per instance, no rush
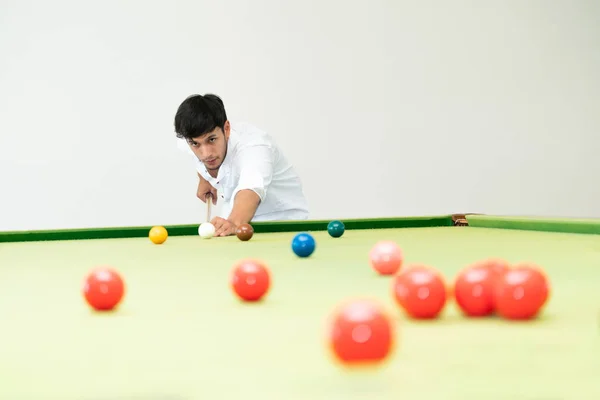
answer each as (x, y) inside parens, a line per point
(208, 204)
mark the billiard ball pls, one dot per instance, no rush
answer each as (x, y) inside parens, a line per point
(522, 292)
(303, 244)
(336, 228)
(206, 230)
(244, 232)
(474, 289)
(103, 288)
(250, 280)
(421, 291)
(386, 257)
(497, 266)
(361, 333)
(158, 234)
(494, 268)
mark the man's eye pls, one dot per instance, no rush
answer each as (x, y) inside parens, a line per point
(212, 139)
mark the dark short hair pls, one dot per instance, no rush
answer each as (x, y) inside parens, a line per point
(199, 115)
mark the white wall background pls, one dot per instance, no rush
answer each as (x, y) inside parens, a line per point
(427, 107)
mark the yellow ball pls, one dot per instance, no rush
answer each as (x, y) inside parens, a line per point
(158, 234)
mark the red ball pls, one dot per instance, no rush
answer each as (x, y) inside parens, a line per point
(497, 266)
(361, 333)
(386, 257)
(522, 292)
(103, 289)
(420, 291)
(474, 291)
(250, 280)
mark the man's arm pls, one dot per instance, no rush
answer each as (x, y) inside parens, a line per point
(205, 188)
(245, 203)
(244, 207)
(256, 172)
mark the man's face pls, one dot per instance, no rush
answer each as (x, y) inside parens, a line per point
(211, 148)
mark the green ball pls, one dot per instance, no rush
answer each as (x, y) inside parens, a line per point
(336, 228)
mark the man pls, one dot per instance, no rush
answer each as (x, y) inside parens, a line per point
(238, 164)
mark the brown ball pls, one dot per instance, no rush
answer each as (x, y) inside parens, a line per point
(244, 232)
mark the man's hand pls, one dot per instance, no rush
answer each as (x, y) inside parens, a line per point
(223, 227)
(246, 202)
(204, 189)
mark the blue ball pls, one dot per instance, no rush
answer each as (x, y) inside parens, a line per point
(336, 228)
(303, 244)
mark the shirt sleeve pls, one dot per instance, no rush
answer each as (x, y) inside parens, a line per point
(255, 164)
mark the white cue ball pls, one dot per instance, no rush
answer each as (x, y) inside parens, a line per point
(206, 230)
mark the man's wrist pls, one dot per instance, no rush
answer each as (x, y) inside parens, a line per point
(236, 221)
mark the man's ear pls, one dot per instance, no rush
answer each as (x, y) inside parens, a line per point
(227, 129)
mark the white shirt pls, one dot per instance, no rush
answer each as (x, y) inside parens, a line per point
(254, 161)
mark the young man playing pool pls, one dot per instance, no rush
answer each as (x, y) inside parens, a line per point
(238, 164)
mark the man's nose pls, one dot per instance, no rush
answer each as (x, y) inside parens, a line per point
(202, 153)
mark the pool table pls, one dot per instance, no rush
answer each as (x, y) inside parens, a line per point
(180, 333)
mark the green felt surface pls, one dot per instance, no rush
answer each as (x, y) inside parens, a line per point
(181, 334)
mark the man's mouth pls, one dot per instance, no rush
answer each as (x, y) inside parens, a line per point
(211, 161)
